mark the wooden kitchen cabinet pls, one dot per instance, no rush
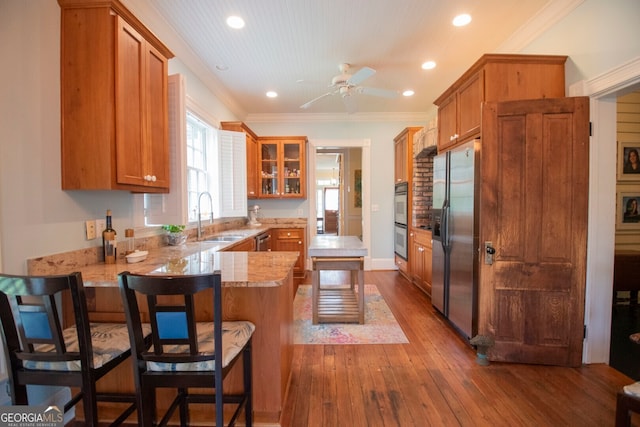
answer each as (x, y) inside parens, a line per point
(421, 265)
(403, 149)
(245, 245)
(282, 167)
(403, 266)
(252, 155)
(293, 240)
(495, 77)
(114, 75)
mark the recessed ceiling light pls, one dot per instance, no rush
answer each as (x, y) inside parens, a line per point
(408, 92)
(462, 20)
(429, 65)
(222, 67)
(272, 94)
(235, 22)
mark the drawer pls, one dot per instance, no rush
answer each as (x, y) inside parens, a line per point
(289, 233)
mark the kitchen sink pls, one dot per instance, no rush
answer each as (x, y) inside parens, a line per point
(225, 238)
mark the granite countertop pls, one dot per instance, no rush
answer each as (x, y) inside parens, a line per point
(337, 246)
(246, 269)
(238, 269)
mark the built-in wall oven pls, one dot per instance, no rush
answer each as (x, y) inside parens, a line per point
(400, 219)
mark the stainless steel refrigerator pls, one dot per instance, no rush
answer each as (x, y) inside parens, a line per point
(455, 236)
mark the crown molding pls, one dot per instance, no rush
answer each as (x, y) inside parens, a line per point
(339, 117)
(553, 12)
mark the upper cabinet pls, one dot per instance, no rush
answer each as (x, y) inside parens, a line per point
(252, 155)
(495, 77)
(282, 167)
(403, 148)
(114, 100)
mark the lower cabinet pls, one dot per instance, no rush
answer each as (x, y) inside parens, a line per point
(403, 266)
(292, 239)
(420, 255)
(246, 245)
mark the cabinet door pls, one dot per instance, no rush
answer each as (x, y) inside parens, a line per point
(130, 51)
(470, 97)
(268, 169)
(447, 122)
(293, 183)
(282, 168)
(252, 167)
(156, 139)
(417, 263)
(400, 149)
(427, 270)
(292, 239)
(141, 111)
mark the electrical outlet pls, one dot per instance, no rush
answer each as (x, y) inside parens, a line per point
(90, 229)
(101, 224)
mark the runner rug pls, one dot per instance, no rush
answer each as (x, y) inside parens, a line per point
(380, 326)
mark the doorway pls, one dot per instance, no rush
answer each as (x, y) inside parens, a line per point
(603, 91)
(353, 181)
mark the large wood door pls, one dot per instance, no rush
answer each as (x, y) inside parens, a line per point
(534, 196)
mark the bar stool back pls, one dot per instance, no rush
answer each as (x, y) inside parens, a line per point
(185, 353)
(39, 351)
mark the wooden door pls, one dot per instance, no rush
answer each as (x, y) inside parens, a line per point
(534, 192)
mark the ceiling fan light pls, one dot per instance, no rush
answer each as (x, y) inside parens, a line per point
(462, 20)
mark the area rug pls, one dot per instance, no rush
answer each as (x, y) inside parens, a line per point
(380, 327)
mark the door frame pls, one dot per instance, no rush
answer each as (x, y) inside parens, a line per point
(365, 145)
(603, 91)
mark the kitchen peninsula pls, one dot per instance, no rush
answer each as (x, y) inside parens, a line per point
(257, 287)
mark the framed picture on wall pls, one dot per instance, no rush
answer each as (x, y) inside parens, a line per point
(629, 161)
(628, 212)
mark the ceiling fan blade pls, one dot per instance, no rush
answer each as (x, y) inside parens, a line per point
(361, 75)
(377, 92)
(308, 104)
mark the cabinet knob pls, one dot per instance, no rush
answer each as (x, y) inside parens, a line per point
(288, 234)
(153, 178)
(299, 242)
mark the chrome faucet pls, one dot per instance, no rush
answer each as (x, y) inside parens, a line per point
(200, 211)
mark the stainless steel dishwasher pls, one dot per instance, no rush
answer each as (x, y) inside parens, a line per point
(263, 242)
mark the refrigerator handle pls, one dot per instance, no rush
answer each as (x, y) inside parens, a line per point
(445, 225)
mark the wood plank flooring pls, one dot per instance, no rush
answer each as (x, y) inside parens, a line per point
(435, 381)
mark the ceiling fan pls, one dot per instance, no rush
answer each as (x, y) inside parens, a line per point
(346, 85)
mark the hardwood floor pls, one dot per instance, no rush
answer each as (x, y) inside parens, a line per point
(434, 380)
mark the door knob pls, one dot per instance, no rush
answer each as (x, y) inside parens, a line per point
(489, 251)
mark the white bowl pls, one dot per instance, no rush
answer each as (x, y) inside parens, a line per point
(136, 256)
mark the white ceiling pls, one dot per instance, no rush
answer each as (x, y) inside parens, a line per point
(294, 47)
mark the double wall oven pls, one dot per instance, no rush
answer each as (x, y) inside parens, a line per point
(400, 219)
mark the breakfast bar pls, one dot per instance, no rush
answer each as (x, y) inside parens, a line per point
(257, 286)
(338, 304)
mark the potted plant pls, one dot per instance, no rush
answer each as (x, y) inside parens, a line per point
(175, 234)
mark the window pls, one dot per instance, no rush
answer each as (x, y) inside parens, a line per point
(200, 165)
(202, 158)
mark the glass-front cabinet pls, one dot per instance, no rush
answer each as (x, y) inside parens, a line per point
(281, 166)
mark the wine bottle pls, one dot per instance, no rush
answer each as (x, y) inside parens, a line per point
(109, 241)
